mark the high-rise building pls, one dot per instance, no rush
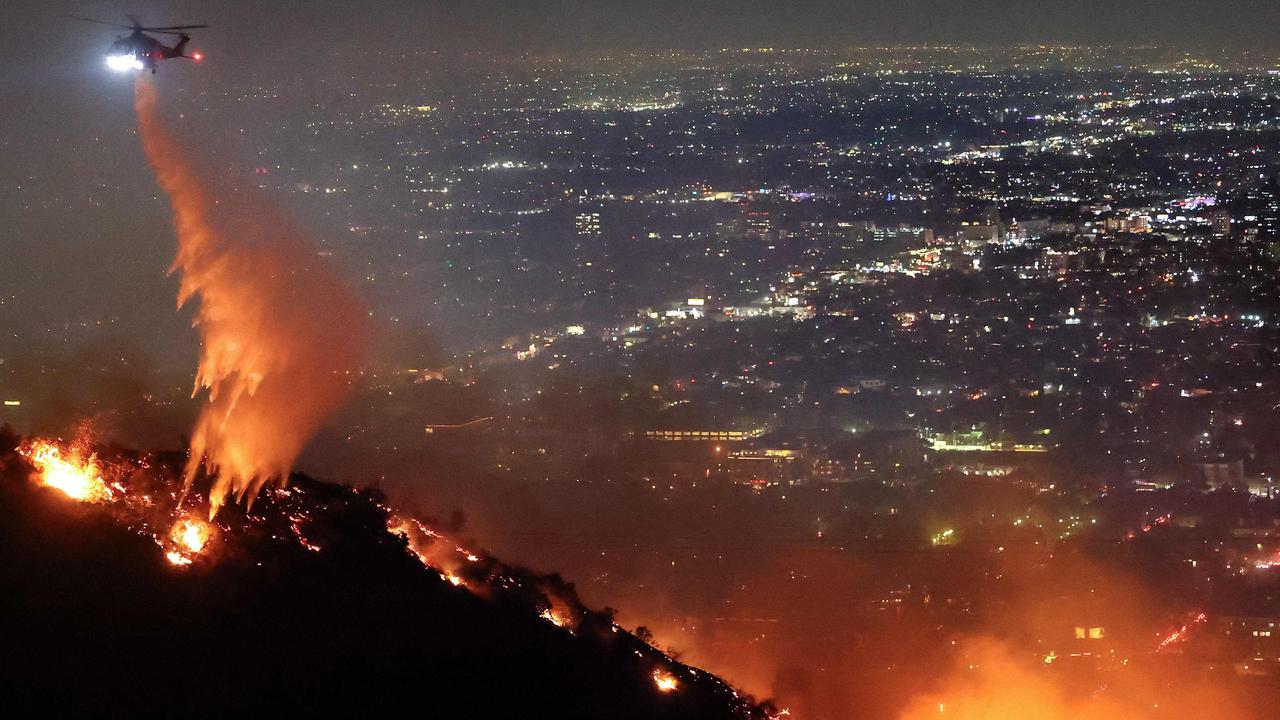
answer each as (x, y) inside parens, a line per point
(588, 224)
(1269, 212)
(1220, 223)
(759, 223)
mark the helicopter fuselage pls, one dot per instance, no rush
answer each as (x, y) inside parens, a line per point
(142, 51)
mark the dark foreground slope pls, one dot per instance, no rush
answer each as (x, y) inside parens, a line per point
(94, 621)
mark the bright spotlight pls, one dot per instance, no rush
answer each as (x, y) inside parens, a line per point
(120, 63)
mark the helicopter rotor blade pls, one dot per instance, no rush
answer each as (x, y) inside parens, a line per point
(139, 27)
(100, 22)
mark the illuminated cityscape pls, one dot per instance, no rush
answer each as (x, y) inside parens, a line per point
(825, 370)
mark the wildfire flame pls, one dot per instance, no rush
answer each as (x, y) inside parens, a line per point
(183, 537)
(177, 558)
(438, 556)
(77, 476)
(191, 534)
(665, 681)
(76, 472)
(188, 537)
(281, 334)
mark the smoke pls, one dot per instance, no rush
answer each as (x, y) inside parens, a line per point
(281, 333)
(839, 627)
(992, 680)
(992, 683)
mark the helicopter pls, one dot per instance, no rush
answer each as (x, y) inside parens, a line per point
(140, 51)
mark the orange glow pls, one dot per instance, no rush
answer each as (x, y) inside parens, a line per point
(188, 537)
(192, 535)
(70, 471)
(561, 615)
(991, 683)
(177, 558)
(665, 681)
(418, 536)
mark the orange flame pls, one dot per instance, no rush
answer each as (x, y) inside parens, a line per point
(280, 332)
(188, 537)
(191, 534)
(665, 681)
(77, 476)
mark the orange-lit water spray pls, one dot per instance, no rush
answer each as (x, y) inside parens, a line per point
(281, 334)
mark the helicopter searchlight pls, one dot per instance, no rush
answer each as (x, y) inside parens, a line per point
(140, 51)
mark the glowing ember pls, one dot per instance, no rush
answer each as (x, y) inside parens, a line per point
(295, 526)
(177, 558)
(77, 476)
(417, 535)
(187, 538)
(192, 535)
(665, 681)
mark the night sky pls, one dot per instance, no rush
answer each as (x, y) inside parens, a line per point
(33, 29)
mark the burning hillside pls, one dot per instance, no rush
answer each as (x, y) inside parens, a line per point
(320, 598)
